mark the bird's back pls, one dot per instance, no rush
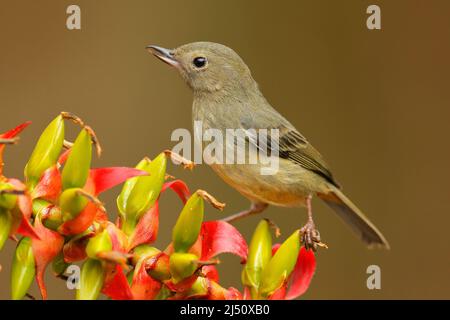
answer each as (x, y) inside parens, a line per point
(250, 110)
(302, 170)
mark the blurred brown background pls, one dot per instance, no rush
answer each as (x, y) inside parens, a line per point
(375, 103)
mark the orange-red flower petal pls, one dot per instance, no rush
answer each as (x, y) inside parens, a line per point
(24, 203)
(300, 278)
(45, 249)
(220, 237)
(49, 186)
(8, 135)
(14, 132)
(75, 249)
(81, 222)
(179, 187)
(116, 284)
(103, 179)
(146, 230)
(302, 275)
(144, 287)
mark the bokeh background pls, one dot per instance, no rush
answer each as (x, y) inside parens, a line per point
(375, 103)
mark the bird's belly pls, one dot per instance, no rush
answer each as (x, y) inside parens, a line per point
(289, 187)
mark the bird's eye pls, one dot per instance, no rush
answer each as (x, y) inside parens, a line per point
(199, 62)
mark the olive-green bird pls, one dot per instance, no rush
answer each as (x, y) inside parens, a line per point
(227, 97)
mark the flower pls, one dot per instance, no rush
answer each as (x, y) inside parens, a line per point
(58, 212)
(281, 271)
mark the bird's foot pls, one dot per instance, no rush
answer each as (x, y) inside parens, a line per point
(311, 236)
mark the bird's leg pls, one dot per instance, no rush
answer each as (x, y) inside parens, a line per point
(310, 235)
(256, 207)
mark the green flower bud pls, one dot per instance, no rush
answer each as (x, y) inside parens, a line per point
(281, 265)
(164, 293)
(140, 193)
(91, 280)
(259, 255)
(51, 214)
(143, 251)
(53, 220)
(199, 288)
(159, 267)
(99, 243)
(46, 152)
(130, 276)
(76, 169)
(39, 205)
(182, 265)
(23, 269)
(187, 227)
(72, 202)
(7, 200)
(5, 225)
(59, 266)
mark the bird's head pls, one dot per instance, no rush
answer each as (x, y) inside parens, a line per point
(206, 66)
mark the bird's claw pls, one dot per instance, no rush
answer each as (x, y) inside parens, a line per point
(311, 237)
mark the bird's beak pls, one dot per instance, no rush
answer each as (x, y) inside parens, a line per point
(163, 54)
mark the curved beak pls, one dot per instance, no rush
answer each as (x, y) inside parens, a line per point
(163, 54)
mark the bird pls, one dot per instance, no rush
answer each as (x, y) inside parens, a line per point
(225, 96)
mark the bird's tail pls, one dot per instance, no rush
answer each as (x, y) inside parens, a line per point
(354, 218)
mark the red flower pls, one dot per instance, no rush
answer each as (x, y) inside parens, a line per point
(220, 237)
(45, 250)
(143, 285)
(99, 180)
(300, 278)
(58, 212)
(10, 134)
(215, 237)
(23, 225)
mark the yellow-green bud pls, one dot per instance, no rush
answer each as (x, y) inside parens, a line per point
(188, 225)
(140, 193)
(99, 243)
(46, 152)
(143, 251)
(51, 214)
(7, 201)
(23, 269)
(259, 255)
(91, 280)
(76, 169)
(199, 288)
(72, 202)
(281, 265)
(182, 265)
(59, 266)
(5, 225)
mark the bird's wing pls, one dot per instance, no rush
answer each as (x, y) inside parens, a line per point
(292, 146)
